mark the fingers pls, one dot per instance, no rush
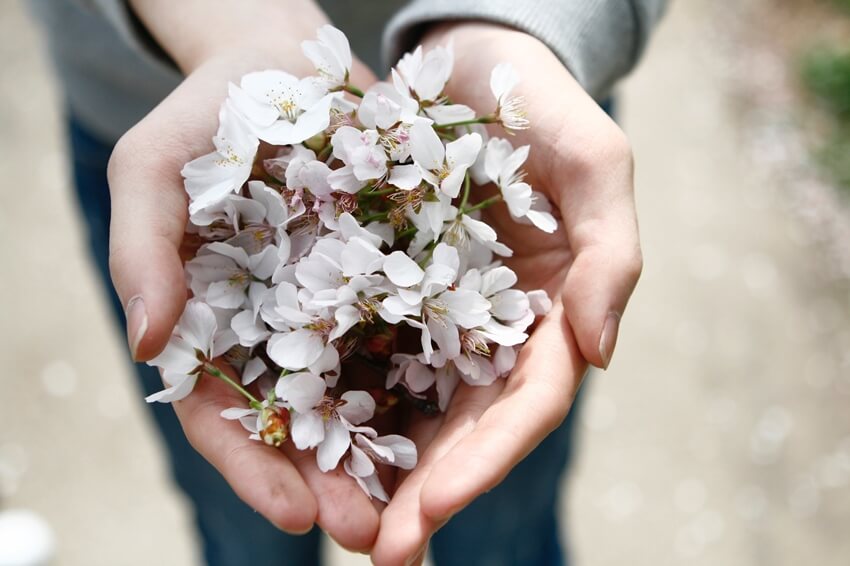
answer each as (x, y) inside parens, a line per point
(261, 476)
(149, 210)
(536, 398)
(601, 224)
(405, 529)
(345, 512)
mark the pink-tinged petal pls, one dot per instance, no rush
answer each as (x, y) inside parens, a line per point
(360, 462)
(502, 334)
(327, 364)
(418, 377)
(263, 264)
(405, 177)
(301, 390)
(361, 257)
(178, 357)
(395, 309)
(504, 360)
(467, 307)
(463, 151)
(447, 255)
(434, 73)
(446, 337)
(497, 153)
(343, 179)
(371, 485)
(333, 447)
(307, 430)
(236, 413)
(450, 113)
(226, 294)
(503, 79)
(402, 270)
(254, 368)
(359, 407)
(425, 146)
(509, 305)
(539, 302)
(346, 317)
(518, 198)
(512, 163)
(403, 449)
(295, 350)
(198, 325)
(182, 386)
(497, 279)
(542, 220)
(447, 380)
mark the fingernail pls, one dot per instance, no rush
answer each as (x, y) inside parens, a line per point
(608, 340)
(137, 323)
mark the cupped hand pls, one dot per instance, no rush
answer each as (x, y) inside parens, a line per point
(149, 214)
(582, 162)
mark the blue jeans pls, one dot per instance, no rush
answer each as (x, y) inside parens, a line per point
(515, 524)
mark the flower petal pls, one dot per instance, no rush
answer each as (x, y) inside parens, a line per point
(333, 447)
(402, 270)
(295, 350)
(301, 390)
(359, 407)
(307, 430)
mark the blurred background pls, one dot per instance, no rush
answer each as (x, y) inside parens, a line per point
(721, 433)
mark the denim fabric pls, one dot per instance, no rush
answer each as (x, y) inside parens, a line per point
(515, 524)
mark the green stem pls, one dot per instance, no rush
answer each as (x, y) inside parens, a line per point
(488, 119)
(483, 204)
(353, 90)
(373, 217)
(382, 192)
(466, 186)
(409, 232)
(215, 372)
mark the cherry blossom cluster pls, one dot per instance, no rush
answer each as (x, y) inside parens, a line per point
(331, 231)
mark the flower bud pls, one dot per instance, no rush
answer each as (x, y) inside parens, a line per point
(275, 426)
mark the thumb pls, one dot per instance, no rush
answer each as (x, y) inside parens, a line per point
(148, 221)
(597, 288)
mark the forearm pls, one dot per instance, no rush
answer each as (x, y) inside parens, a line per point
(193, 31)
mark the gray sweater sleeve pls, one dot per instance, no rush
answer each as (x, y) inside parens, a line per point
(599, 41)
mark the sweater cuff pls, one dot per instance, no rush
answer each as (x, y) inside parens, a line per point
(131, 29)
(598, 41)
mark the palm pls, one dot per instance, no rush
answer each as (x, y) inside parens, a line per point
(589, 266)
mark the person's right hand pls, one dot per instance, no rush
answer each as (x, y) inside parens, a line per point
(214, 43)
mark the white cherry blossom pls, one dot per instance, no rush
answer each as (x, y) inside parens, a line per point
(442, 166)
(331, 55)
(281, 108)
(510, 110)
(322, 421)
(211, 178)
(502, 164)
(191, 345)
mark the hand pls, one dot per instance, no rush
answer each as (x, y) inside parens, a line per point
(149, 213)
(581, 160)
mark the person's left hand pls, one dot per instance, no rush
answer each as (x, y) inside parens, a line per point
(582, 162)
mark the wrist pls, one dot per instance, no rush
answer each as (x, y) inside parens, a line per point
(267, 33)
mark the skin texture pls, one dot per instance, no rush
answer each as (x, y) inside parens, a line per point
(149, 212)
(579, 159)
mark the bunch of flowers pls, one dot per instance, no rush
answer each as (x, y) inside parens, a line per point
(332, 231)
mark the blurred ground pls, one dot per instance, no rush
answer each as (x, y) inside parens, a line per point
(719, 436)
